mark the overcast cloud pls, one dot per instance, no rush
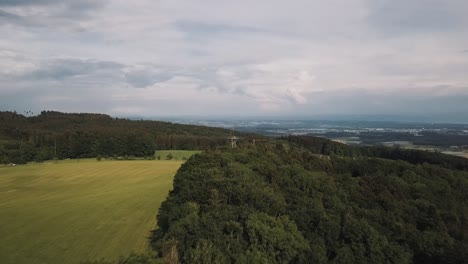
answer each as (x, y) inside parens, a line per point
(237, 58)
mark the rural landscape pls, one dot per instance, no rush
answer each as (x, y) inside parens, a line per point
(94, 197)
(233, 132)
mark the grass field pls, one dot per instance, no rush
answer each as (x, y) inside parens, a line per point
(76, 210)
(457, 153)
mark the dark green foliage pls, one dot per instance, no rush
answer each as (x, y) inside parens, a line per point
(58, 135)
(281, 203)
(131, 259)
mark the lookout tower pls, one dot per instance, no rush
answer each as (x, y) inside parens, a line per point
(233, 139)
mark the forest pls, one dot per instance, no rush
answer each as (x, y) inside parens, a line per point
(311, 200)
(55, 135)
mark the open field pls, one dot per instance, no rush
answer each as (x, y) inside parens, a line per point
(457, 153)
(76, 210)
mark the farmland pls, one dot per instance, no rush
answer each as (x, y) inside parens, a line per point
(77, 210)
(457, 153)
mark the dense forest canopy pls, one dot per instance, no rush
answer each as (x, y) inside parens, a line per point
(59, 135)
(310, 200)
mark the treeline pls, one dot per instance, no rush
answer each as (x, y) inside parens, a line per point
(329, 147)
(313, 201)
(59, 135)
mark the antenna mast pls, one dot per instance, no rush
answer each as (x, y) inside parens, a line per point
(233, 139)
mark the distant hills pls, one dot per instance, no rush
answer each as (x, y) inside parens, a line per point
(443, 118)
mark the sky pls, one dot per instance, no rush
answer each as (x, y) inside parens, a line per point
(235, 58)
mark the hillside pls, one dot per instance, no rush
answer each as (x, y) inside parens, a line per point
(61, 135)
(286, 202)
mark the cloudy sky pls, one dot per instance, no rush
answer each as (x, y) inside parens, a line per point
(237, 58)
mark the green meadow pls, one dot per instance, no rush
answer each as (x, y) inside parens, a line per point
(77, 210)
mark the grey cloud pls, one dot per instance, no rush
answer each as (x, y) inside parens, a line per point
(226, 52)
(67, 68)
(205, 78)
(27, 2)
(24, 21)
(68, 7)
(48, 98)
(56, 13)
(401, 16)
(199, 30)
(145, 78)
(210, 78)
(6, 17)
(82, 8)
(366, 102)
(78, 4)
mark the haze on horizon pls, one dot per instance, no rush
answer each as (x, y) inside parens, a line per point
(236, 58)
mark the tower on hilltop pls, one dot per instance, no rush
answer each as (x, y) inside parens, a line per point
(233, 139)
